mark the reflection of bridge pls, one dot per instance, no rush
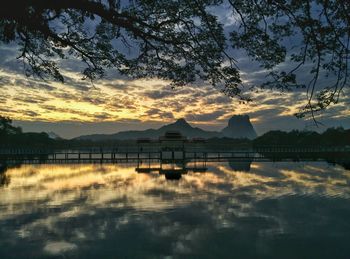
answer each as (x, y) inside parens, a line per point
(117, 156)
(172, 167)
(173, 162)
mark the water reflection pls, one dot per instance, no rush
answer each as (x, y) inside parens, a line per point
(4, 178)
(171, 169)
(240, 165)
(281, 210)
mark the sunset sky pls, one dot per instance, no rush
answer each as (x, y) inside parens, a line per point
(116, 103)
(113, 104)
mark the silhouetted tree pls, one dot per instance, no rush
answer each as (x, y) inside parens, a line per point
(6, 127)
(11, 136)
(183, 41)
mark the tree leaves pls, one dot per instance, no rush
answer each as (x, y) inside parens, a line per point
(182, 41)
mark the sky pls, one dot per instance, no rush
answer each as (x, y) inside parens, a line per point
(117, 103)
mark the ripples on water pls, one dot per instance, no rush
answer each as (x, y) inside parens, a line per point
(234, 210)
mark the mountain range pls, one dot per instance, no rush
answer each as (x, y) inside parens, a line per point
(239, 126)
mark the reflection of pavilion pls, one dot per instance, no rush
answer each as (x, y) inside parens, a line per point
(172, 160)
(172, 171)
(243, 166)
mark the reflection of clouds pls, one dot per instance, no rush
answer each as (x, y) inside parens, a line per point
(74, 204)
(57, 248)
(107, 183)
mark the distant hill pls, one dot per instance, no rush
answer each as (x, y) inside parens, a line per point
(181, 125)
(53, 135)
(187, 130)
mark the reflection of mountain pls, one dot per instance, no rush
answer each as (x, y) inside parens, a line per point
(238, 127)
(79, 205)
(345, 165)
(2, 168)
(243, 166)
(4, 178)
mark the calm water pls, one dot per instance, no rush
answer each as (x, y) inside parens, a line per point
(265, 210)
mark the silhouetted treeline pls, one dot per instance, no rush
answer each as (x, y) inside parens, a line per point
(28, 140)
(13, 137)
(331, 137)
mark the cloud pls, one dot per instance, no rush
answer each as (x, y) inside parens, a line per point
(129, 102)
(120, 102)
(30, 99)
(103, 116)
(31, 114)
(158, 114)
(202, 117)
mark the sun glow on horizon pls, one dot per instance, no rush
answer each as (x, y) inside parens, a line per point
(143, 101)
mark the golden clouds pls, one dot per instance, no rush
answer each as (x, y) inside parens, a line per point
(145, 100)
(150, 101)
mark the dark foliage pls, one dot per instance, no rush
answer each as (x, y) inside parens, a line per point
(6, 128)
(183, 41)
(13, 136)
(331, 137)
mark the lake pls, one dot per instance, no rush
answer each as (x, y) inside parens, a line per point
(231, 210)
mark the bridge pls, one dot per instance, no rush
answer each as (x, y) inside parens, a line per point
(115, 155)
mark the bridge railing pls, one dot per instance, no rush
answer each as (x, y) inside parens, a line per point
(135, 150)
